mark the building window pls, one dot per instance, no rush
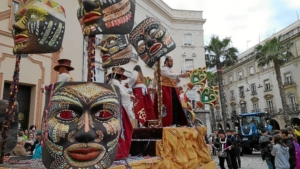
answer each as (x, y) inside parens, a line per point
(187, 39)
(251, 70)
(255, 107)
(14, 5)
(191, 94)
(288, 78)
(230, 79)
(293, 104)
(232, 94)
(267, 85)
(240, 75)
(100, 75)
(189, 64)
(241, 91)
(253, 88)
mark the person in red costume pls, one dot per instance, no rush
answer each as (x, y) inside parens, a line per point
(175, 114)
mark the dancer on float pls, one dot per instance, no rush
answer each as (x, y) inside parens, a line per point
(63, 68)
(170, 79)
(142, 105)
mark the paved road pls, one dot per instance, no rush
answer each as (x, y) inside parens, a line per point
(253, 161)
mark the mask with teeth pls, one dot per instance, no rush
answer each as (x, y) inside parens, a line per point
(106, 16)
(81, 125)
(39, 27)
(115, 50)
(151, 41)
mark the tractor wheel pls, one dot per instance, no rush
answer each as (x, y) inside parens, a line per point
(247, 150)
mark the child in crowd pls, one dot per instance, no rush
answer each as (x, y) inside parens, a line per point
(281, 153)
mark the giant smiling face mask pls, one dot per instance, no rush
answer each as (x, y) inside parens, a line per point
(151, 41)
(39, 27)
(115, 50)
(106, 16)
(82, 125)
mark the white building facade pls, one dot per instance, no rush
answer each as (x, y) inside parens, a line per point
(258, 87)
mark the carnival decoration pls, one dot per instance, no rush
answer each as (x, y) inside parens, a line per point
(209, 95)
(39, 28)
(106, 16)
(81, 125)
(151, 41)
(115, 50)
(198, 76)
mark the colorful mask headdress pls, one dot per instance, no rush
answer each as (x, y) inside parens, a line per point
(106, 17)
(39, 28)
(81, 125)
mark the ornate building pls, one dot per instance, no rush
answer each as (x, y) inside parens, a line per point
(249, 88)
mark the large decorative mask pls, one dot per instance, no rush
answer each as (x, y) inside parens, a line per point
(106, 16)
(39, 27)
(115, 50)
(81, 125)
(151, 41)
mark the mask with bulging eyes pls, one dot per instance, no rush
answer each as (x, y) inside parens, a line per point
(106, 16)
(115, 50)
(151, 41)
(39, 27)
(81, 125)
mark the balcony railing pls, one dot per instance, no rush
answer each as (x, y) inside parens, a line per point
(256, 110)
(294, 107)
(288, 82)
(271, 110)
(232, 98)
(218, 118)
(253, 92)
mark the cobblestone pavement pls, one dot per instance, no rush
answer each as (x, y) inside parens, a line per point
(253, 161)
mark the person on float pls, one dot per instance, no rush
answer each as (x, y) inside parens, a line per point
(169, 81)
(142, 105)
(116, 76)
(63, 68)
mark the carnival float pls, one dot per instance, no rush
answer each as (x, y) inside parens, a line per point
(84, 123)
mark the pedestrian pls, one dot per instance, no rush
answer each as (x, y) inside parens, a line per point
(297, 149)
(288, 141)
(264, 141)
(281, 153)
(223, 145)
(233, 149)
(238, 147)
(214, 138)
(270, 148)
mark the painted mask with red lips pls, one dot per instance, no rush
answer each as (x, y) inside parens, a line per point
(106, 16)
(39, 27)
(115, 50)
(151, 41)
(81, 125)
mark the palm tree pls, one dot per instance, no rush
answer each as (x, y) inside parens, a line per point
(212, 81)
(220, 55)
(277, 52)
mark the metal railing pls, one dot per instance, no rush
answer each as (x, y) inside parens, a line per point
(256, 110)
(294, 107)
(288, 82)
(271, 110)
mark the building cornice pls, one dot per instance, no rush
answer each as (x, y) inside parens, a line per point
(174, 15)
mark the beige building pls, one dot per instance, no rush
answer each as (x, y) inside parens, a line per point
(258, 87)
(186, 28)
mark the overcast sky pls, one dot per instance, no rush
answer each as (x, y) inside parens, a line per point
(242, 20)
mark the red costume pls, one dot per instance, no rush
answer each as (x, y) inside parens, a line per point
(171, 99)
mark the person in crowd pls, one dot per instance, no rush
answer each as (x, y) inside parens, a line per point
(224, 146)
(264, 141)
(19, 150)
(276, 132)
(288, 141)
(233, 151)
(270, 148)
(29, 142)
(297, 149)
(281, 153)
(143, 106)
(238, 147)
(25, 134)
(214, 138)
(291, 131)
(170, 95)
(32, 129)
(63, 68)
(37, 153)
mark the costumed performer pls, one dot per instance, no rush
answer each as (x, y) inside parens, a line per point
(116, 76)
(169, 79)
(142, 105)
(63, 68)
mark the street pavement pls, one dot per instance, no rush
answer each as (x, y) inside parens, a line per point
(252, 161)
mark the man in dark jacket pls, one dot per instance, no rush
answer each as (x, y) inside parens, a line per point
(288, 141)
(237, 147)
(233, 149)
(224, 144)
(264, 141)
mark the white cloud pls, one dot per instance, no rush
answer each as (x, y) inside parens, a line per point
(239, 19)
(293, 3)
